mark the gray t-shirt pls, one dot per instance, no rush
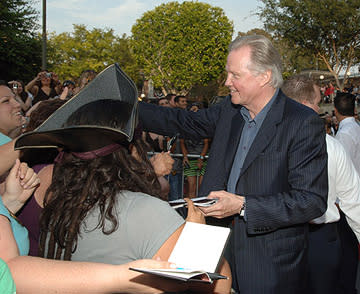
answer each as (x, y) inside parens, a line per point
(144, 224)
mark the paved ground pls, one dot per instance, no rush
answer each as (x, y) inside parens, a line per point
(329, 107)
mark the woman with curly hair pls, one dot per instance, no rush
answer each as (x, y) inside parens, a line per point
(101, 196)
(96, 204)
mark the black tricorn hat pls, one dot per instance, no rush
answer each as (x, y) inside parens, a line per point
(111, 84)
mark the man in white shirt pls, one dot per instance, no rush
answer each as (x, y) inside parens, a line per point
(349, 131)
(349, 136)
(344, 185)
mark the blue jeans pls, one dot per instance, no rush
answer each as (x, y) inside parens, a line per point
(176, 186)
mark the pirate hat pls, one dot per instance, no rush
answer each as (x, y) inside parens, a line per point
(111, 84)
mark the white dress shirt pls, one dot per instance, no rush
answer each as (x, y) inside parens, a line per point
(344, 185)
(349, 136)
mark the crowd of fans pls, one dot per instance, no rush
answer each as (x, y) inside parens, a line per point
(43, 96)
(329, 91)
(148, 166)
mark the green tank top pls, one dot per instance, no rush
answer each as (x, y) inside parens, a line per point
(7, 285)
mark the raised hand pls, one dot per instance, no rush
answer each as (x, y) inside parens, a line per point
(19, 185)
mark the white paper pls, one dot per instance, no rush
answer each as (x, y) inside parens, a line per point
(199, 247)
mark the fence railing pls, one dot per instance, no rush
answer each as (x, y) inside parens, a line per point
(180, 155)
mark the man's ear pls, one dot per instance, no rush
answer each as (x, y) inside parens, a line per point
(265, 77)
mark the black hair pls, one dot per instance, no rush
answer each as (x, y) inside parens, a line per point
(345, 104)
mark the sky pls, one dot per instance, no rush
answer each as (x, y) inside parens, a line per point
(120, 15)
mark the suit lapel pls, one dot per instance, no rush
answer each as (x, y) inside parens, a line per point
(267, 131)
(237, 125)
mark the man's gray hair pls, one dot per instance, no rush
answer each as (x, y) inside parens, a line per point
(264, 56)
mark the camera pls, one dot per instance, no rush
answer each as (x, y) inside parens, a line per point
(15, 86)
(68, 83)
(48, 75)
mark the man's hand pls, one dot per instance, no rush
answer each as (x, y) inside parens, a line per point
(227, 205)
(186, 162)
(20, 184)
(162, 163)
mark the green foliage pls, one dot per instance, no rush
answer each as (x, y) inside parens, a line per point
(328, 29)
(19, 45)
(178, 45)
(69, 54)
(295, 59)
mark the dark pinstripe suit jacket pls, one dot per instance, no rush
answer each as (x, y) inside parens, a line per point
(284, 180)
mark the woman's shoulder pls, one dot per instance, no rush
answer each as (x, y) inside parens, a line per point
(141, 203)
(139, 198)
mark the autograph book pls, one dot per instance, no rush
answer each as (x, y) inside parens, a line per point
(196, 254)
(199, 201)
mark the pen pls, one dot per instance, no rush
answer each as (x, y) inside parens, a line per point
(215, 276)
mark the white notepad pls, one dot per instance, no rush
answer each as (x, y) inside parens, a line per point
(200, 247)
(197, 254)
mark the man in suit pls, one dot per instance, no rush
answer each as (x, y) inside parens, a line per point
(344, 184)
(267, 167)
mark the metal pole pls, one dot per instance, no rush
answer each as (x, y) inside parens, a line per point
(43, 59)
(179, 155)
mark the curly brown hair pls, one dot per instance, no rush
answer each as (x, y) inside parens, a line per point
(79, 186)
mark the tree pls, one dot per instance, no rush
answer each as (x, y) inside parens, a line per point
(295, 59)
(19, 44)
(69, 54)
(179, 45)
(329, 29)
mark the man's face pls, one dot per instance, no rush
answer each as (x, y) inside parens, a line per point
(314, 105)
(10, 111)
(243, 85)
(182, 103)
(164, 102)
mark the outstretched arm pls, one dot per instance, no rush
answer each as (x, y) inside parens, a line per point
(170, 121)
(40, 275)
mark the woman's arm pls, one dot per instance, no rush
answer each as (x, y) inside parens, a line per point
(28, 113)
(8, 247)
(57, 84)
(40, 275)
(7, 156)
(205, 149)
(32, 87)
(184, 152)
(28, 102)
